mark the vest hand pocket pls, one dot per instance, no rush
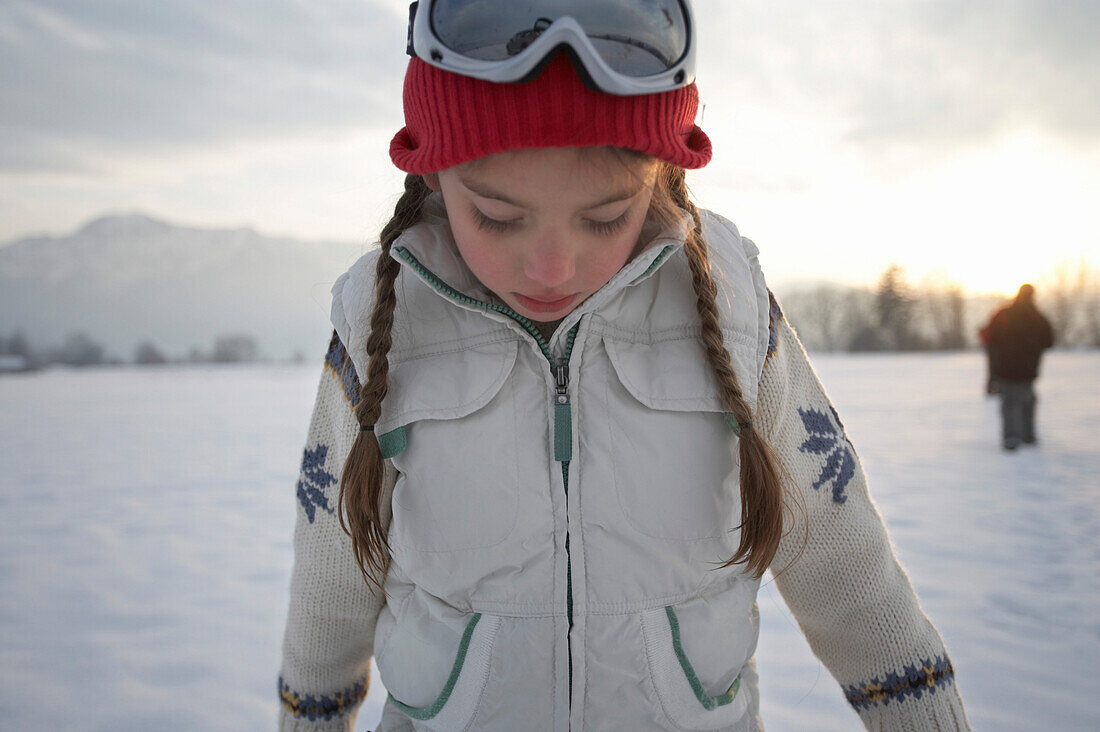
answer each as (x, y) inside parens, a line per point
(696, 668)
(429, 682)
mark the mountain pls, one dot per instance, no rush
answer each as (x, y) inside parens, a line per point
(126, 279)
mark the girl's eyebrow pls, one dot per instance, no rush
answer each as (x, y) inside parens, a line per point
(622, 194)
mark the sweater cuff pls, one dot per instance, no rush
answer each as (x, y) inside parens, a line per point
(319, 713)
(910, 704)
(289, 723)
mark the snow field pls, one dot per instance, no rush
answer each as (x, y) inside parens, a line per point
(147, 549)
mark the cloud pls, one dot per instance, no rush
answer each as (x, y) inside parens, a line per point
(113, 76)
(922, 74)
(86, 82)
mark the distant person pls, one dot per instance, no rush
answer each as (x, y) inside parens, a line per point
(1018, 335)
(992, 388)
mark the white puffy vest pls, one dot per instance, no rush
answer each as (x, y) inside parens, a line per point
(557, 533)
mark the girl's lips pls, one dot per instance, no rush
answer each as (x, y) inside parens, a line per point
(537, 305)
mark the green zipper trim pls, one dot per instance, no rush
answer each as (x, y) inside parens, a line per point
(563, 415)
(570, 339)
(709, 702)
(393, 443)
(656, 262)
(433, 709)
(563, 433)
(457, 296)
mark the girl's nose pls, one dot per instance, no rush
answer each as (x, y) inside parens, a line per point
(550, 262)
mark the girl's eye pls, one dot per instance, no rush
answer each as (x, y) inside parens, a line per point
(607, 228)
(486, 223)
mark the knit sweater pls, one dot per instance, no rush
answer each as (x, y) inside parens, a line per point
(835, 566)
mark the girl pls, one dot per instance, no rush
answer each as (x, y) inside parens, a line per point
(565, 425)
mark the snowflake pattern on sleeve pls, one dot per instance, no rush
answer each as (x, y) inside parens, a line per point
(313, 482)
(825, 436)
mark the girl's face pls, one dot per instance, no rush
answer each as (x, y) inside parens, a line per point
(546, 228)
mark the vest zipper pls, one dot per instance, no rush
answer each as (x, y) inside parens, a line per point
(563, 453)
(563, 448)
(563, 417)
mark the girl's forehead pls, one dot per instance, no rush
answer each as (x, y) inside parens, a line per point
(586, 168)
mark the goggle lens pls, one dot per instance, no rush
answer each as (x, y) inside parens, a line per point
(637, 38)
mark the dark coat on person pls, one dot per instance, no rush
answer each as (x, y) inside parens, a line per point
(1018, 335)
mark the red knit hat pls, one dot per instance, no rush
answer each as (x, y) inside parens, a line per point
(450, 119)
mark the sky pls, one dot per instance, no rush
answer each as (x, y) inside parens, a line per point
(958, 139)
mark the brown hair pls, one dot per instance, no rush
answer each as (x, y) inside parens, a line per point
(360, 507)
(762, 501)
(362, 477)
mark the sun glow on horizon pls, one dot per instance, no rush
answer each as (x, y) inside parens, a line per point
(991, 218)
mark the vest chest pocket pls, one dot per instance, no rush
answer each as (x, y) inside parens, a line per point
(453, 418)
(674, 457)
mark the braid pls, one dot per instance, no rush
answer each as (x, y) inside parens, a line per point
(761, 490)
(362, 477)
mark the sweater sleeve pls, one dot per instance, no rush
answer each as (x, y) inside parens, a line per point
(835, 566)
(329, 636)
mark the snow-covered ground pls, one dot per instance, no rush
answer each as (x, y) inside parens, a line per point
(146, 551)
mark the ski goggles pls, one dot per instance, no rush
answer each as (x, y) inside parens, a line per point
(623, 47)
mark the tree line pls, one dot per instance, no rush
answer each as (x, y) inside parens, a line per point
(896, 315)
(80, 349)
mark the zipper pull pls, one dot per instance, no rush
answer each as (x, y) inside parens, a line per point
(563, 418)
(561, 383)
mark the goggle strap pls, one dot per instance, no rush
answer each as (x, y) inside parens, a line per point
(574, 59)
(412, 19)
